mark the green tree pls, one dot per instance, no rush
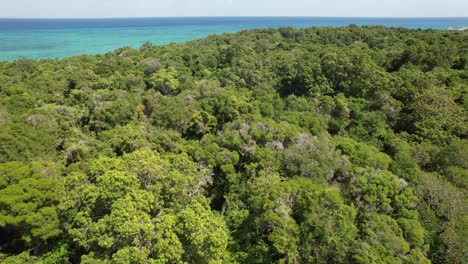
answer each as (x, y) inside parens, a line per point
(165, 81)
(28, 199)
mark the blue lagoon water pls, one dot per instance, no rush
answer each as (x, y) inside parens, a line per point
(60, 38)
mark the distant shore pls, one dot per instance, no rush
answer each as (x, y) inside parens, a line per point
(52, 38)
(460, 29)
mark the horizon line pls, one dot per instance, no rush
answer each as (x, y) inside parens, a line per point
(259, 16)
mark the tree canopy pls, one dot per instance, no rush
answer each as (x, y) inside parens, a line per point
(314, 145)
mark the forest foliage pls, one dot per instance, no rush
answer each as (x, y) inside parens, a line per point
(315, 145)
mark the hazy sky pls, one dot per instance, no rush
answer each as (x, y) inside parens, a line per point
(155, 8)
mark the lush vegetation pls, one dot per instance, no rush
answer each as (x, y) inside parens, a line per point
(318, 145)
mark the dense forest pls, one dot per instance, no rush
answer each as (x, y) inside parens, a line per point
(315, 145)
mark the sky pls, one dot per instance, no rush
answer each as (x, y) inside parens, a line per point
(183, 8)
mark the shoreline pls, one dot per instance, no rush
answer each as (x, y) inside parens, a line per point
(64, 43)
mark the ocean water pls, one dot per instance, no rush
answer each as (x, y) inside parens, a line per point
(60, 38)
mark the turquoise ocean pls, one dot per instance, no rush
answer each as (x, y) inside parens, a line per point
(60, 38)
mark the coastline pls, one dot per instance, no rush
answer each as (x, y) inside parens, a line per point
(45, 38)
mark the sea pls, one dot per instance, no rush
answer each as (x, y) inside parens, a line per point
(61, 38)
